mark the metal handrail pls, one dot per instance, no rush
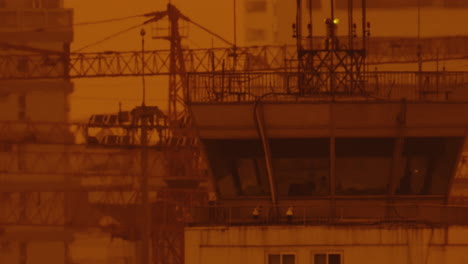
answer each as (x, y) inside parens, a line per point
(309, 214)
(283, 86)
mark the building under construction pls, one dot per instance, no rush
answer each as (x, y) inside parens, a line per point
(277, 154)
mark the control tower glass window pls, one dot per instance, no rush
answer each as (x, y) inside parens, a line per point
(238, 167)
(301, 166)
(363, 165)
(427, 165)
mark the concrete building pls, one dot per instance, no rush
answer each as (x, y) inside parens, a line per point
(45, 27)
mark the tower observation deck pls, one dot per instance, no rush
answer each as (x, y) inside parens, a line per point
(332, 154)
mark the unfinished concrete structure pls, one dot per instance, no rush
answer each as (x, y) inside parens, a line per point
(41, 25)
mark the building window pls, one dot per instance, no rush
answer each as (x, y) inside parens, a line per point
(253, 34)
(256, 6)
(281, 258)
(22, 107)
(327, 258)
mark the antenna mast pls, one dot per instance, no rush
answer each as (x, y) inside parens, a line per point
(332, 68)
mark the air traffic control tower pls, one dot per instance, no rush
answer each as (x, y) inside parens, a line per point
(329, 163)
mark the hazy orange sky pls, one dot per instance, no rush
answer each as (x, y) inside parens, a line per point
(104, 94)
(214, 14)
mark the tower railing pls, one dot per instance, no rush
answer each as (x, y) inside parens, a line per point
(339, 214)
(293, 86)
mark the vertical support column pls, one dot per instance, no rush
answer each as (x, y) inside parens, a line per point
(23, 252)
(396, 159)
(333, 49)
(66, 61)
(332, 161)
(68, 207)
(350, 24)
(310, 26)
(457, 167)
(363, 58)
(67, 194)
(299, 28)
(364, 27)
(266, 149)
(144, 188)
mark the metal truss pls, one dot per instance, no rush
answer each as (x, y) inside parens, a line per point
(158, 62)
(280, 86)
(332, 72)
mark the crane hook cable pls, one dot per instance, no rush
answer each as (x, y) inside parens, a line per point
(111, 36)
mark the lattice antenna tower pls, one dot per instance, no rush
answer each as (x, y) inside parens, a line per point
(332, 65)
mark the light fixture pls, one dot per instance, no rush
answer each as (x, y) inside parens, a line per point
(256, 212)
